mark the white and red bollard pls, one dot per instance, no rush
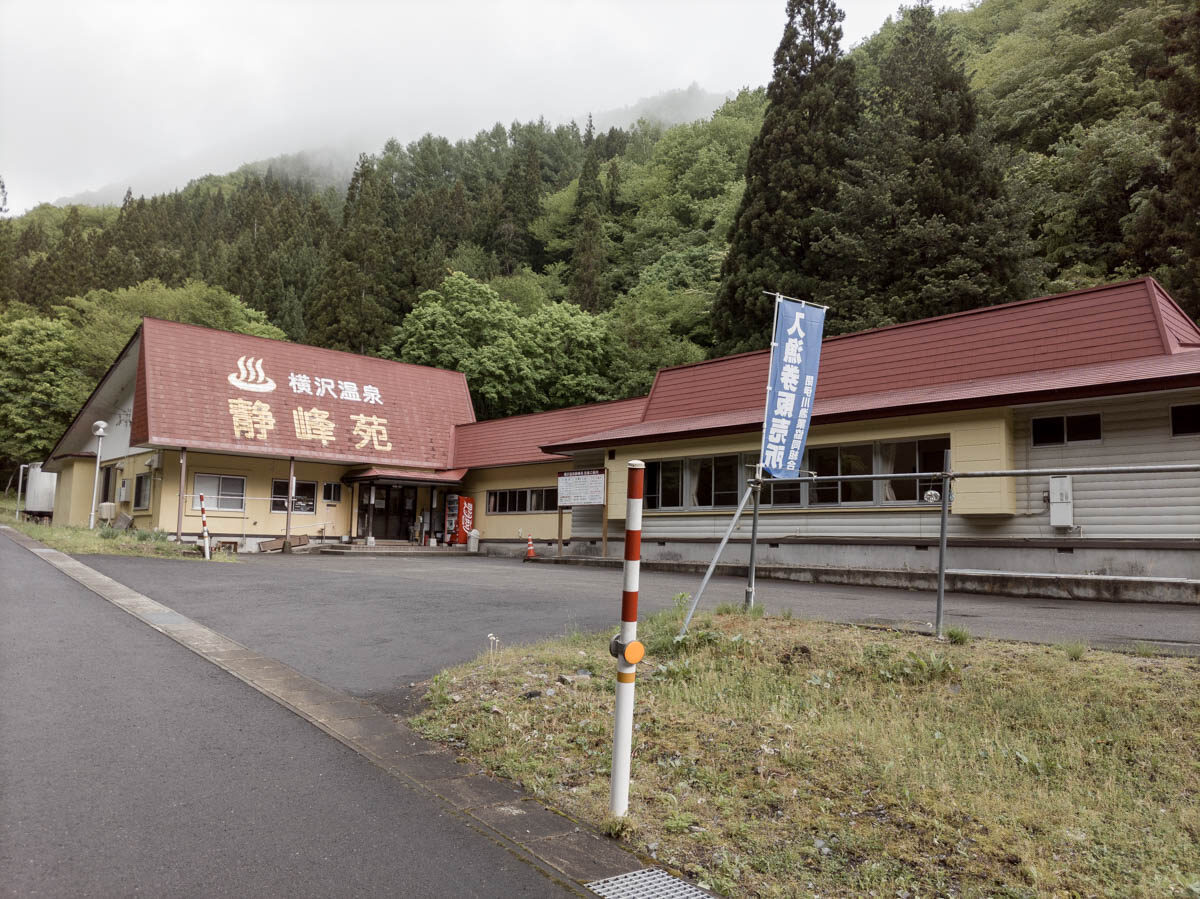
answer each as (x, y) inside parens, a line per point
(204, 530)
(625, 646)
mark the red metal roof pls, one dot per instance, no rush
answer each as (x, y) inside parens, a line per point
(225, 392)
(1100, 337)
(517, 440)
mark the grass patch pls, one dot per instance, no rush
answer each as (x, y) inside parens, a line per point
(103, 540)
(1074, 650)
(781, 757)
(959, 636)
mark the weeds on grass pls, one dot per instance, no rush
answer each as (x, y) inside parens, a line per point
(1075, 650)
(733, 608)
(1144, 650)
(959, 636)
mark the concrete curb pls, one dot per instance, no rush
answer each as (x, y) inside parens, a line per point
(1090, 587)
(560, 848)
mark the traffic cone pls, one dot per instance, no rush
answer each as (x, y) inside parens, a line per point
(529, 553)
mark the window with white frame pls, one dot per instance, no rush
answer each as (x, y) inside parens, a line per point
(1185, 420)
(304, 500)
(141, 492)
(526, 499)
(1056, 430)
(331, 492)
(221, 492)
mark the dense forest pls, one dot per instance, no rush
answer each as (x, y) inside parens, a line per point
(950, 161)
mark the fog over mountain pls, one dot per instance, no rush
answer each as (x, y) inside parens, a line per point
(150, 95)
(332, 165)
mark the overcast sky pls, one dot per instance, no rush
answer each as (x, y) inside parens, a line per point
(97, 92)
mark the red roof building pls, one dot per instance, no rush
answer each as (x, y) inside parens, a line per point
(1108, 375)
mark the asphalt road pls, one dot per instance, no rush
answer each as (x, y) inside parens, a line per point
(371, 625)
(129, 765)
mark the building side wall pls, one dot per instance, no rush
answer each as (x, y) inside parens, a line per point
(1135, 430)
(516, 525)
(256, 518)
(1012, 512)
(979, 441)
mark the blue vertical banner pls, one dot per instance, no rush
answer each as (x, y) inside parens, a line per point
(795, 356)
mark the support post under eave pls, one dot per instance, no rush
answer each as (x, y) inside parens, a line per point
(182, 494)
(287, 527)
(371, 517)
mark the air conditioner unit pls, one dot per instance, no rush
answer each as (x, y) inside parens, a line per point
(123, 491)
(154, 462)
(108, 511)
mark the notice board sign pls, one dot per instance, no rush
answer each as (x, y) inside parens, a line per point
(581, 488)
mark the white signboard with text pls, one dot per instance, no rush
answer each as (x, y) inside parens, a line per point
(581, 488)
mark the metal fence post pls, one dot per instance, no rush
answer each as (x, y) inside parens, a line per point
(941, 582)
(756, 486)
(625, 646)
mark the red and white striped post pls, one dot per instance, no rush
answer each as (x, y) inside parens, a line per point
(625, 646)
(204, 528)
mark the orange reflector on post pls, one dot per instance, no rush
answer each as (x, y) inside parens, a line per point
(635, 652)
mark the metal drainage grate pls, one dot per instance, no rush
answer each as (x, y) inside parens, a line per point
(648, 883)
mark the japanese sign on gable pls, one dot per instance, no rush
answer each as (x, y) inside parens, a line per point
(255, 420)
(795, 356)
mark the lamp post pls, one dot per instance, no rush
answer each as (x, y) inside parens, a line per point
(98, 428)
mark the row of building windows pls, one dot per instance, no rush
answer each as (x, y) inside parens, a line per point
(525, 499)
(1056, 430)
(227, 493)
(718, 481)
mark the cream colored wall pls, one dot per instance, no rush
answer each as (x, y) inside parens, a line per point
(979, 441)
(513, 525)
(257, 519)
(73, 492)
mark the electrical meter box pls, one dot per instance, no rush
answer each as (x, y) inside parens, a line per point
(1062, 512)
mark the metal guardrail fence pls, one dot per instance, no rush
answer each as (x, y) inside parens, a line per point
(947, 477)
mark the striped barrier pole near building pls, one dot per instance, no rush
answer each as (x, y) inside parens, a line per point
(625, 646)
(204, 529)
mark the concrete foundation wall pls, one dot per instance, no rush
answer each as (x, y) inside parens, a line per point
(1131, 561)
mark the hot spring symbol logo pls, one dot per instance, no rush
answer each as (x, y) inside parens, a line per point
(249, 376)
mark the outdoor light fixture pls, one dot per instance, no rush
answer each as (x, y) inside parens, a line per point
(98, 428)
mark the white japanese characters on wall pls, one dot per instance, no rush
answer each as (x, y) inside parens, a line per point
(255, 420)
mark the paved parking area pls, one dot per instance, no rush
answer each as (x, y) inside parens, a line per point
(373, 625)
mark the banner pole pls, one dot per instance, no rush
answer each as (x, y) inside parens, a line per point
(756, 487)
